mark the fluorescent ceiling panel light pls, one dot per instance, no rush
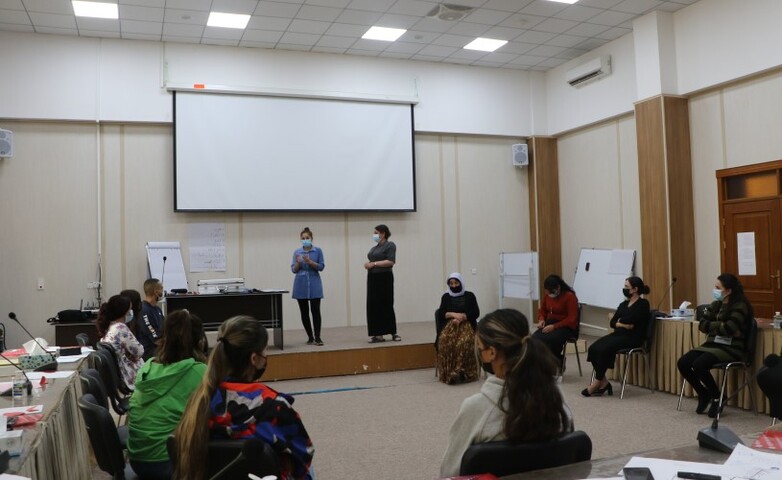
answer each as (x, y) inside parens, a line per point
(485, 44)
(95, 9)
(570, 2)
(383, 33)
(227, 20)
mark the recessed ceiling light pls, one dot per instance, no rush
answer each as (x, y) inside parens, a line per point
(571, 2)
(383, 33)
(95, 9)
(227, 20)
(485, 44)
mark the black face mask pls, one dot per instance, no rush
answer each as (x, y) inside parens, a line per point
(456, 289)
(259, 372)
(487, 368)
(626, 292)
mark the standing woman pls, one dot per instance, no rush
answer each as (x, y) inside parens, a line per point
(381, 319)
(726, 323)
(112, 329)
(307, 286)
(557, 315)
(629, 324)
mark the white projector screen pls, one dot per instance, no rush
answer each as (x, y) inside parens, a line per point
(243, 152)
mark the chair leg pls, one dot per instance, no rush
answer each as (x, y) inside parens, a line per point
(722, 393)
(649, 377)
(681, 394)
(578, 359)
(624, 377)
(773, 421)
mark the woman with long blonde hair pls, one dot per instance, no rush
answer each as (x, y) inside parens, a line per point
(231, 402)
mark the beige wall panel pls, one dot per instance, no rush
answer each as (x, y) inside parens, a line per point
(48, 207)
(753, 118)
(631, 197)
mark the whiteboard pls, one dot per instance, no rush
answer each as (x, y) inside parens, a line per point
(519, 275)
(601, 274)
(174, 275)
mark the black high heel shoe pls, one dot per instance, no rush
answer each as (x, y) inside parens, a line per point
(703, 404)
(599, 392)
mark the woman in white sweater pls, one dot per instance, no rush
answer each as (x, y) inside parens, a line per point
(520, 400)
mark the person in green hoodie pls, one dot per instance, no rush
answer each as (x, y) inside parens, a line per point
(163, 387)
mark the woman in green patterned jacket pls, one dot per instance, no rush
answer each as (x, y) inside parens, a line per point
(726, 322)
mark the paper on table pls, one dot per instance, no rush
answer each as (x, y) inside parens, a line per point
(22, 410)
(666, 469)
(769, 462)
(71, 358)
(8, 476)
(36, 376)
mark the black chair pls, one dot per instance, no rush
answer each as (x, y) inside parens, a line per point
(574, 341)
(505, 458)
(91, 383)
(229, 459)
(108, 375)
(645, 350)
(769, 380)
(82, 340)
(104, 439)
(745, 364)
(101, 346)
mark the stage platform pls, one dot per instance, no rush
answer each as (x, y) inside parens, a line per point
(347, 352)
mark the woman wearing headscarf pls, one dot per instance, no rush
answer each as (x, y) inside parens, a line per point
(455, 322)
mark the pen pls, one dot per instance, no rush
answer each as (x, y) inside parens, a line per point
(697, 476)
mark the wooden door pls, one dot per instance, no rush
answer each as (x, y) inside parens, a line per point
(762, 218)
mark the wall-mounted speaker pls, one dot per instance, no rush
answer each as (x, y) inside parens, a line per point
(6, 143)
(520, 157)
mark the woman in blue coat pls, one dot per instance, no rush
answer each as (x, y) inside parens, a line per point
(307, 286)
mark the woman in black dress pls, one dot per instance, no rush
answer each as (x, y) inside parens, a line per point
(381, 319)
(629, 324)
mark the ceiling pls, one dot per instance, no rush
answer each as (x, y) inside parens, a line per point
(541, 34)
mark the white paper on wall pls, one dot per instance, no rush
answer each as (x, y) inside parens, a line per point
(207, 247)
(746, 253)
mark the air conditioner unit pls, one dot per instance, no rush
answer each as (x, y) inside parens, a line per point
(590, 71)
(449, 12)
(6, 143)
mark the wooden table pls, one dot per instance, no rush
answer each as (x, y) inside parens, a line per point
(674, 338)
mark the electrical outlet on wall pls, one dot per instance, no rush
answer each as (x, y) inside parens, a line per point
(474, 271)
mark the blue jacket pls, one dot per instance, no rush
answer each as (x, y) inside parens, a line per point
(307, 283)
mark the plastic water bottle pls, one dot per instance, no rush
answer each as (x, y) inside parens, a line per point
(777, 320)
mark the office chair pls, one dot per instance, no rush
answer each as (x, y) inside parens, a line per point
(574, 341)
(82, 340)
(229, 459)
(104, 439)
(91, 383)
(745, 364)
(769, 380)
(505, 458)
(644, 350)
(101, 346)
(108, 374)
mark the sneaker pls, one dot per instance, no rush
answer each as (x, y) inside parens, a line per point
(376, 339)
(311, 341)
(319, 342)
(396, 338)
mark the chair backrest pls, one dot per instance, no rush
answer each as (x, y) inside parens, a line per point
(651, 328)
(244, 456)
(114, 360)
(505, 458)
(91, 383)
(103, 436)
(82, 339)
(578, 320)
(108, 374)
(752, 340)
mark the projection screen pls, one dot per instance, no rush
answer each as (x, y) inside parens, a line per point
(253, 153)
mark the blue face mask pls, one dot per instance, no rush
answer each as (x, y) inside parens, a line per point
(129, 317)
(717, 294)
(306, 243)
(376, 237)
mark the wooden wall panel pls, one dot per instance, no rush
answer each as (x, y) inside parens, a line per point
(681, 207)
(652, 184)
(544, 205)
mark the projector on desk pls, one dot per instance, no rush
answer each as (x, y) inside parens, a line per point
(221, 285)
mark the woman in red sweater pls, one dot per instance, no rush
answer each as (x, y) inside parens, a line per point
(557, 315)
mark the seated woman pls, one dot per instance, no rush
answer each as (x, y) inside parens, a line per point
(629, 331)
(455, 323)
(231, 402)
(163, 387)
(112, 329)
(726, 323)
(520, 401)
(557, 315)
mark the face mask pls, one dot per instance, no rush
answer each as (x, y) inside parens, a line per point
(306, 243)
(717, 294)
(552, 295)
(456, 289)
(376, 237)
(129, 317)
(259, 373)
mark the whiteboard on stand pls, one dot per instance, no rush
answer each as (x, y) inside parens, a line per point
(173, 277)
(600, 276)
(519, 275)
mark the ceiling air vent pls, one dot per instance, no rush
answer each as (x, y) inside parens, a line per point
(449, 12)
